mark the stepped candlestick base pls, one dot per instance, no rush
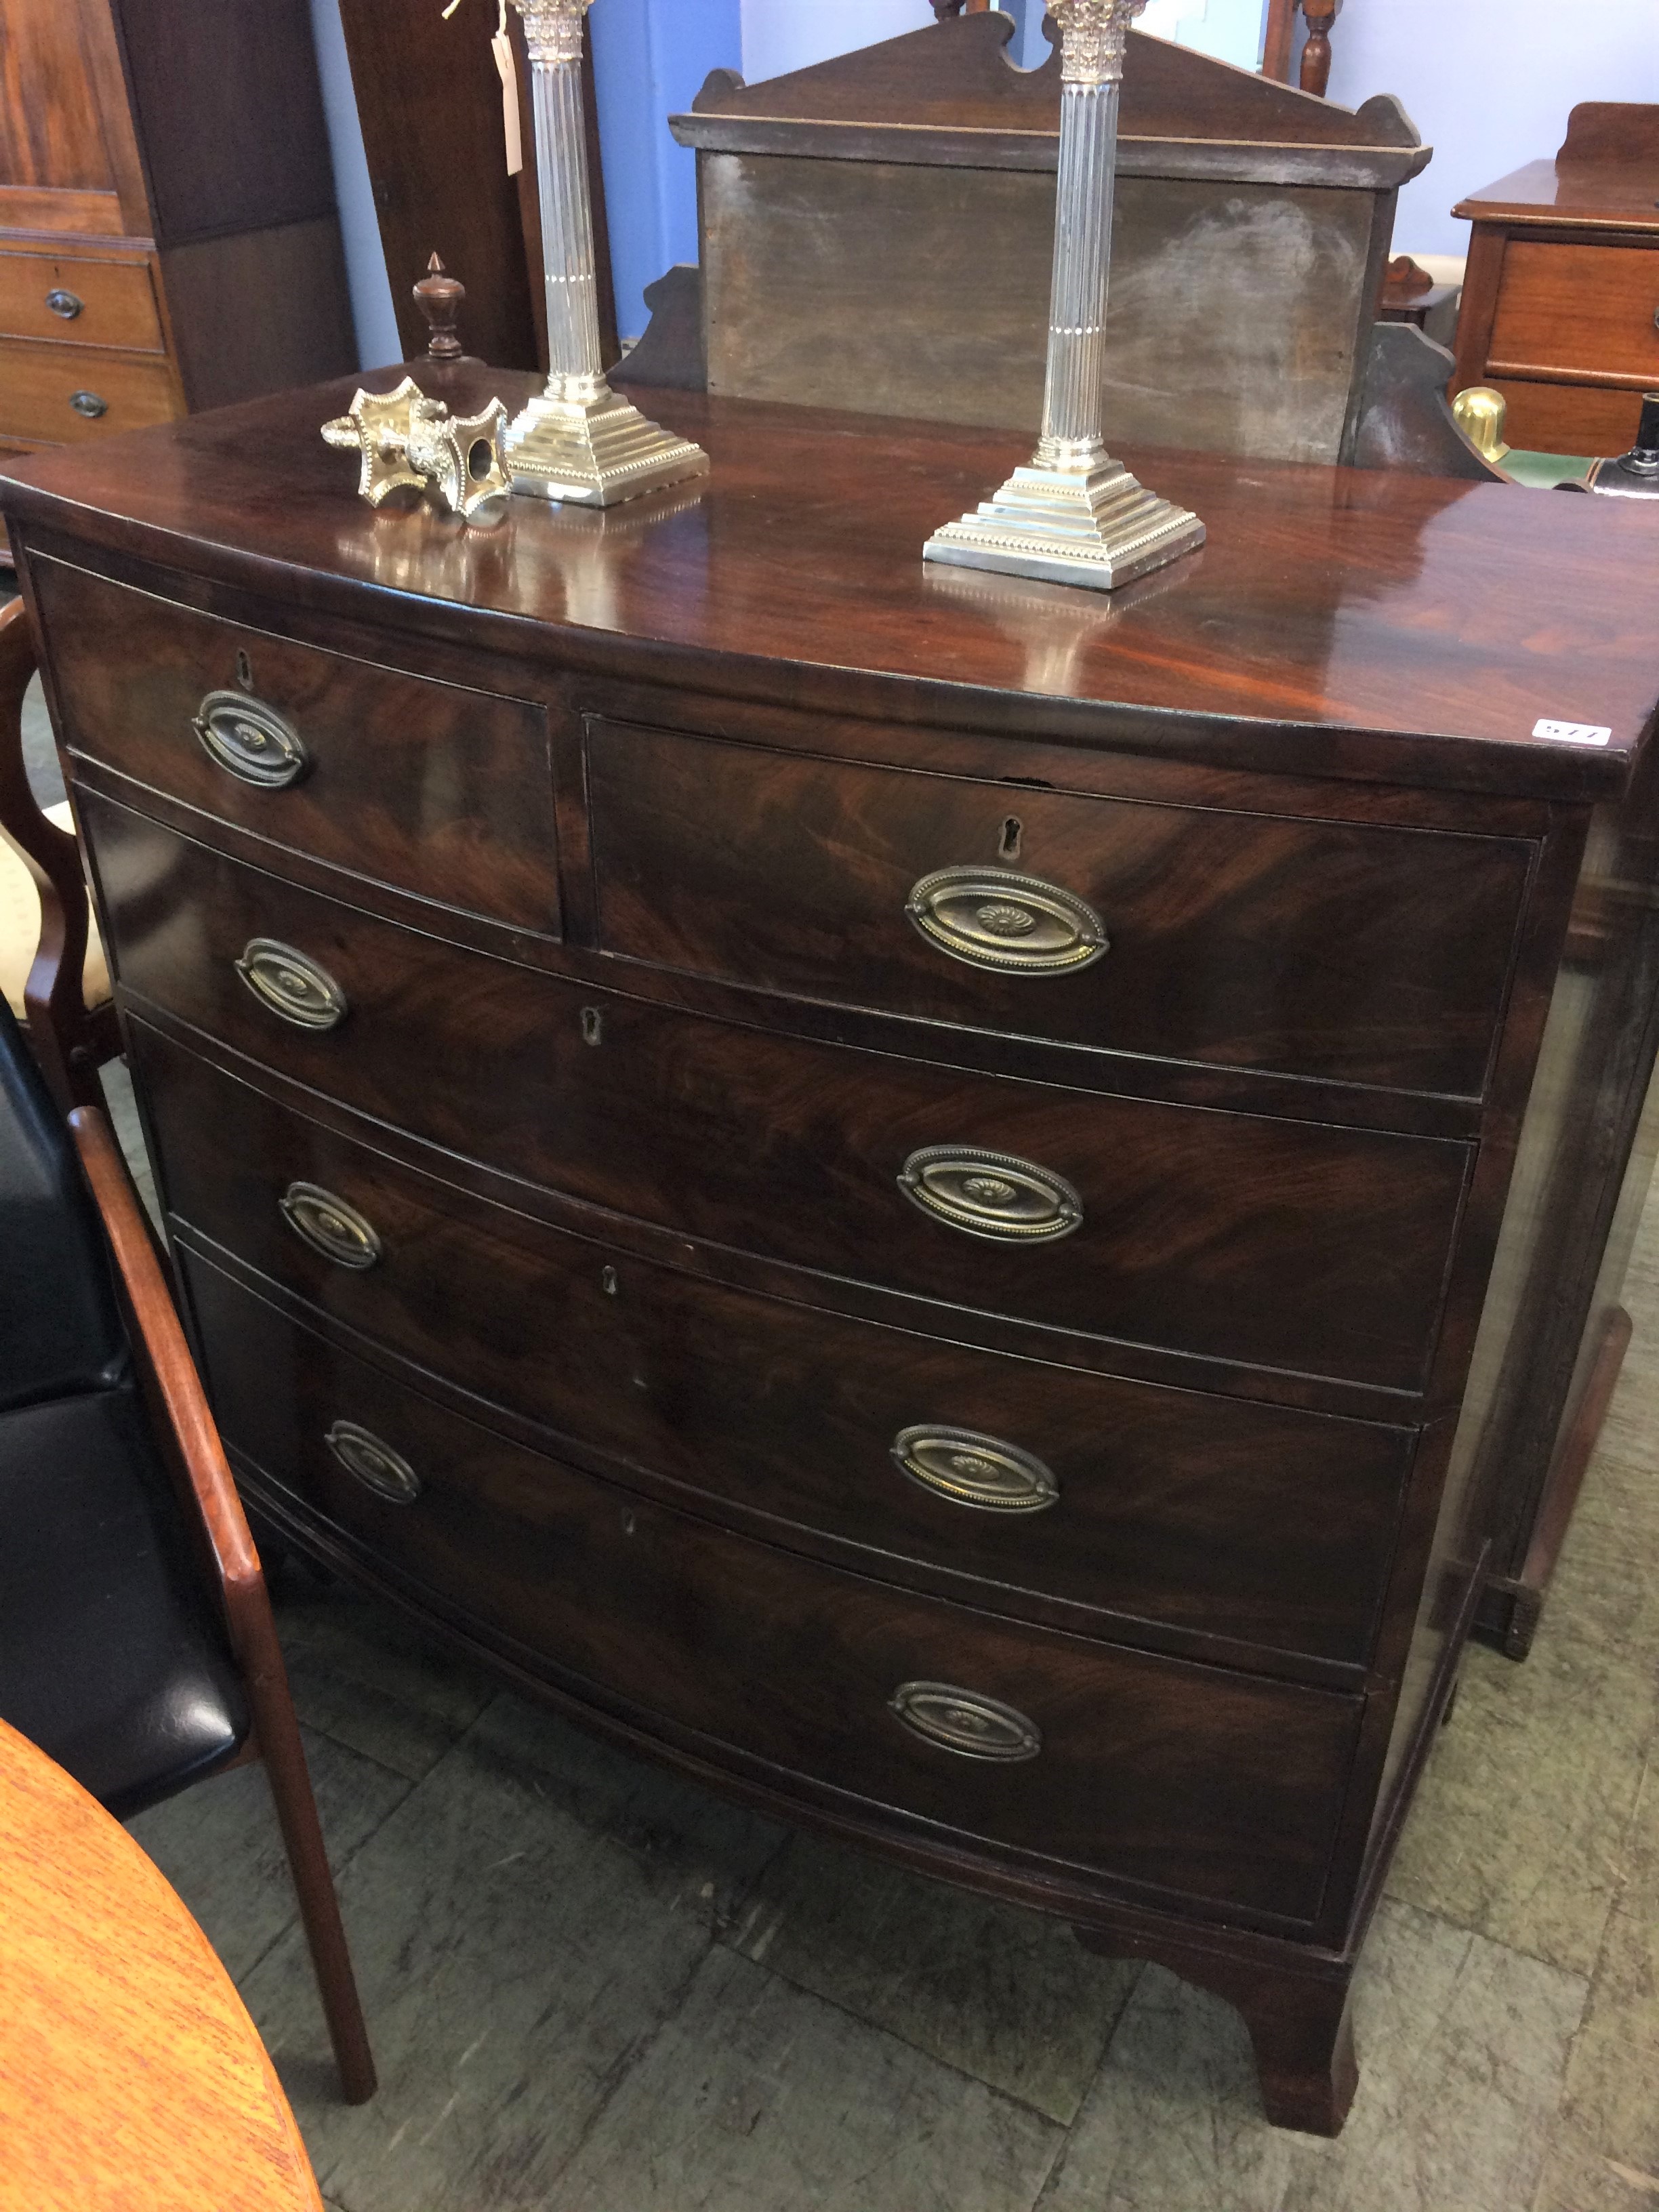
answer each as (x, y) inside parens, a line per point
(595, 448)
(1096, 527)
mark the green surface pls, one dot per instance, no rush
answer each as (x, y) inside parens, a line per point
(1543, 471)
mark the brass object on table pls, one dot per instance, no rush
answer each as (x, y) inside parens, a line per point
(1480, 413)
(578, 440)
(1075, 515)
(406, 441)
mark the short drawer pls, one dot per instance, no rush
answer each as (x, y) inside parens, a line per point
(1574, 308)
(67, 297)
(1223, 1518)
(1279, 1243)
(1156, 1773)
(422, 786)
(1322, 949)
(67, 392)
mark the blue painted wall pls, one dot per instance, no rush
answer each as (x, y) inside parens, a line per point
(650, 58)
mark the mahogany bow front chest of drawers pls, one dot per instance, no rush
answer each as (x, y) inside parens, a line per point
(939, 1200)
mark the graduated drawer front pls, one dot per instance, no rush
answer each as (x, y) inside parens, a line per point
(1224, 1518)
(1180, 1778)
(62, 297)
(420, 785)
(1576, 308)
(40, 385)
(1226, 1234)
(1246, 940)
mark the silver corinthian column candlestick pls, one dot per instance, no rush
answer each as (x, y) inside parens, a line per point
(1076, 516)
(578, 440)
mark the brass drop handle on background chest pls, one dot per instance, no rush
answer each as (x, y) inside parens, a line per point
(374, 1463)
(1013, 924)
(972, 1469)
(88, 405)
(962, 1721)
(992, 1194)
(250, 741)
(330, 1226)
(291, 986)
(66, 305)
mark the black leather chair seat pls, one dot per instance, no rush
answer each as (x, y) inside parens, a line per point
(109, 1659)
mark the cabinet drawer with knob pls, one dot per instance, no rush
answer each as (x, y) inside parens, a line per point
(1225, 1235)
(422, 786)
(1585, 311)
(85, 301)
(1110, 1505)
(62, 393)
(1151, 1773)
(1353, 952)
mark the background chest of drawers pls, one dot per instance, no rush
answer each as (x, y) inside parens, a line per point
(887, 1186)
(168, 237)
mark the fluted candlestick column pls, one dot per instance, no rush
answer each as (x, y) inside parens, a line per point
(577, 439)
(1075, 515)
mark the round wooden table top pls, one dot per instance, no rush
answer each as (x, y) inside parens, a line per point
(132, 2079)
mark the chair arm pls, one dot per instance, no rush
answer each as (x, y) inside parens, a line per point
(53, 997)
(161, 1340)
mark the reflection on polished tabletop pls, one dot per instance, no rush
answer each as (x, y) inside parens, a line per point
(130, 2076)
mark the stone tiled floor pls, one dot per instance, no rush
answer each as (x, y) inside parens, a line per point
(595, 1988)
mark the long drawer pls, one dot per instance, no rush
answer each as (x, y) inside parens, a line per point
(1169, 1778)
(84, 299)
(1224, 1235)
(1353, 952)
(1231, 1520)
(434, 789)
(1576, 308)
(67, 392)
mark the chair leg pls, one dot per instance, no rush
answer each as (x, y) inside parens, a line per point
(278, 1735)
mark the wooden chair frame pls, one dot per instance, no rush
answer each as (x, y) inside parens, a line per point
(1316, 71)
(209, 1497)
(69, 1040)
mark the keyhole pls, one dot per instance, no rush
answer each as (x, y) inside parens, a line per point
(608, 1281)
(592, 1025)
(1012, 831)
(244, 672)
(626, 1522)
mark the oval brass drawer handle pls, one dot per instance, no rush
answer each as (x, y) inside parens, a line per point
(970, 1468)
(991, 1193)
(1016, 925)
(67, 304)
(291, 986)
(374, 1464)
(88, 405)
(330, 1226)
(963, 1721)
(250, 741)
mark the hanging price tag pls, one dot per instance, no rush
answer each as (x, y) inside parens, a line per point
(501, 46)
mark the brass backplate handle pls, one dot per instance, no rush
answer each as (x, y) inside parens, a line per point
(250, 741)
(330, 1226)
(64, 304)
(970, 1468)
(963, 1721)
(1015, 925)
(992, 1194)
(291, 985)
(374, 1463)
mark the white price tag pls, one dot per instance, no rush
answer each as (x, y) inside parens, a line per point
(1573, 733)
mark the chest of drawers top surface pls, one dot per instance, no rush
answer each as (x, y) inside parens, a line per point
(1357, 625)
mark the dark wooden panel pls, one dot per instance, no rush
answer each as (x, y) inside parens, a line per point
(1356, 624)
(1584, 311)
(1231, 1520)
(1172, 1778)
(1277, 1243)
(1361, 955)
(264, 155)
(420, 785)
(260, 312)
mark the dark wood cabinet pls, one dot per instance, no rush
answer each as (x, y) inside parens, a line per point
(1561, 298)
(939, 1200)
(168, 238)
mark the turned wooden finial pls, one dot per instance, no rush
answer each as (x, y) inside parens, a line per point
(439, 296)
(942, 9)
